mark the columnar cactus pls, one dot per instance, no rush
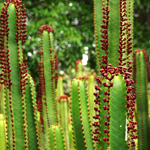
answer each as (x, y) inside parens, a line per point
(14, 76)
(80, 116)
(91, 97)
(115, 66)
(63, 106)
(47, 72)
(79, 68)
(47, 82)
(56, 138)
(59, 92)
(141, 84)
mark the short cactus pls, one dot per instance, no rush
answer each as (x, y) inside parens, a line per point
(79, 69)
(56, 138)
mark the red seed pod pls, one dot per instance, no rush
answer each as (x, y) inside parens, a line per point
(96, 124)
(105, 139)
(95, 138)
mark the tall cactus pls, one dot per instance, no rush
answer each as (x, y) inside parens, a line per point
(47, 65)
(141, 78)
(115, 66)
(14, 76)
(47, 82)
(80, 116)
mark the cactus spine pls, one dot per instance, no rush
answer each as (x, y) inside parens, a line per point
(14, 76)
(80, 116)
(56, 138)
(141, 73)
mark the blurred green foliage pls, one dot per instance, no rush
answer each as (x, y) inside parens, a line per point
(74, 30)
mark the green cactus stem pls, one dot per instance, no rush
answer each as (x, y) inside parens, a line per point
(2, 132)
(141, 78)
(91, 97)
(64, 116)
(80, 116)
(79, 69)
(32, 117)
(97, 5)
(14, 76)
(48, 64)
(59, 92)
(118, 112)
(115, 18)
(56, 138)
(71, 144)
(1, 98)
(14, 70)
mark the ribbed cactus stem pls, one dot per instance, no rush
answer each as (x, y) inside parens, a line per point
(98, 16)
(32, 117)
(80, 115)
(79, 68)
(64, 116)
(48, 74)
(1, 99)
(56, 138)
(91, 97)
(2, 132)
(141, 74)
(59, 92)
(13, 35)
(17, 99)
(118, 112)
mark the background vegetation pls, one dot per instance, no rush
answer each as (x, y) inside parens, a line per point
(74, 31)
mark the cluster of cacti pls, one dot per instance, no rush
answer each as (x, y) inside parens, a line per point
(98, 117)
(141, 84)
